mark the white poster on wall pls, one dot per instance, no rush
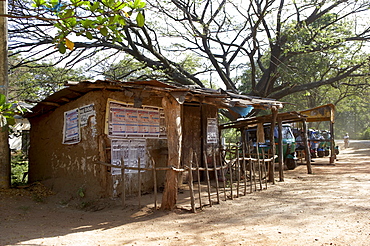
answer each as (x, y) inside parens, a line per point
(212, 131)
(126, 121)
(85, 112)
(71, 129)
(130, 151)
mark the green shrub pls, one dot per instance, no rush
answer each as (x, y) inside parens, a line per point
(19, 169)
(366, 134)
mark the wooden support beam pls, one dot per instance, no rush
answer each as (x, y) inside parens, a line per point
(306, 147)
(280, 150)
(274, 112)
(173, 114)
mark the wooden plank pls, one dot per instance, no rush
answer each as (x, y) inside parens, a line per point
(208, 181)
(154, 183)
(199, 186)
(190, 181)
(123, 182)
(216, 177)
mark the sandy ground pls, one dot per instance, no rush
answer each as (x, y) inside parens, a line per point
(329, 207)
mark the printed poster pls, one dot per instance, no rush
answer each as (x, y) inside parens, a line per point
(130, 151)
(126, 121)
(85, 112)
(212, 131)
(71, 131)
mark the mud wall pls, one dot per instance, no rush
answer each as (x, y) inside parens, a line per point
(73, 168)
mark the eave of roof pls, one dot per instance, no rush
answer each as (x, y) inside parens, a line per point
(218, 98)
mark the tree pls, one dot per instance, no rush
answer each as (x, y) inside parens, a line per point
(4, 145)
(39, 80)
(229, 36)
(269, 34)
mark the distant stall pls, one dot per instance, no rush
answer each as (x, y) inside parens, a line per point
(318, 114)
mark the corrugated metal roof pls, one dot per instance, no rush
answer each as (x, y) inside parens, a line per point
(220, 98)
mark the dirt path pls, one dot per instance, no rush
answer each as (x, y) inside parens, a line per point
(330, 207)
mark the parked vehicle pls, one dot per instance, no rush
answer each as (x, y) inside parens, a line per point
(289, 143)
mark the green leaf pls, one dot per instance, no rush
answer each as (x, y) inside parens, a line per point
(10, 121)
(104, 31)
(95, 6)
(87, 23)
(89, 35)
(62, 49)
(68, 13)
(2, 99)
(121, 21)
(138, 4)
(140, 19)
(38, 3)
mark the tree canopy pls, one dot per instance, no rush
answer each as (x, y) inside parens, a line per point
(267, 39)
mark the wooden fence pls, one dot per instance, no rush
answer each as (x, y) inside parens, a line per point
(232, 177)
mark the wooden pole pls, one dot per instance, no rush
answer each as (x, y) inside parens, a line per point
(231, 180)
(223, 180)
(274, 111)
(123, 184)
(238, 169)
(139, 180)
(280, 150)
(208, 181)
(244, 166)
(216, 177)
(191, 190)
(258, 164)
(251, 168)
(306, 147)
(333, 155)
(199, 186)
(5, 163)
(173, 116)
(154, 183)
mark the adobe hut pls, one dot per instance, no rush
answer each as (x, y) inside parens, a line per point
(84, 136)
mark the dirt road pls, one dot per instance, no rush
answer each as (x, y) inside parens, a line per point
(329, 207)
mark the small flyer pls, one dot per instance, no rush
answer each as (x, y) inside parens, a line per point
(85, 113)
(212, 131)
(71, 131)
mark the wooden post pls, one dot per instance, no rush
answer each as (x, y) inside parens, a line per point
(172, 110)
(5, 159)
(258, 165)
(251, 168)
(306, 147)
(139, 180)
(208, 181)
(154, 183)
(231, 180)
(123, 184)
(280, 150)
(199, 186)
(238, 169)
(191, 190)
(244, 166)
(223, 180)
(333, 155)
(216, 177)
(274, 111)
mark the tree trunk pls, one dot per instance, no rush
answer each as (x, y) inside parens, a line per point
(4, 145)
(173, 116)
